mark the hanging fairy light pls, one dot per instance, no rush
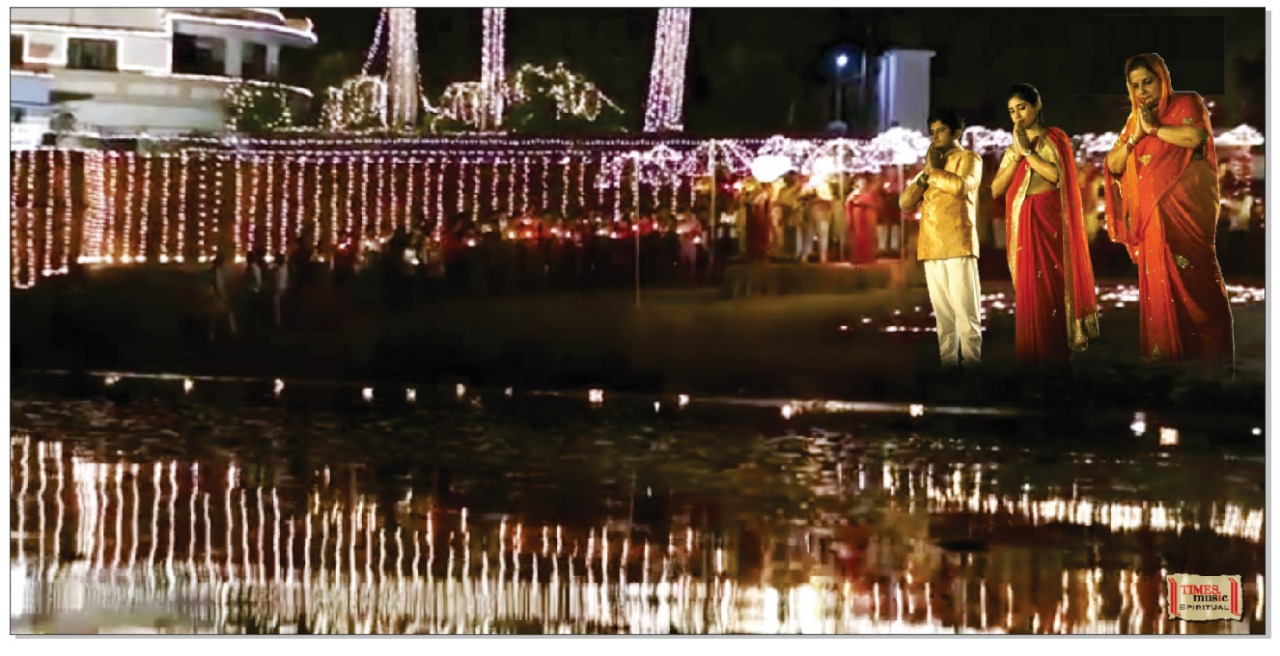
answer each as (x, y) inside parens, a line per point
(130, 201)
(511, 186)
(254, 220)
(564, 187)
(110, 183)
(439, 177)
(493, 184)
(524, 184)
(332, 190)
(582, 180)
(166, 219)
(15, 222)
(665, 104)
(202, 218)
(366, 228)
(282, 226)
(380, 210)
(410, 191)
(144, 218)
(96, 212)
(183, 167)
(476, 199)
(542, 175)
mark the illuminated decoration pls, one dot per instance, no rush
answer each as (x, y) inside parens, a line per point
(796, 151)
(166, 222)
(1242, 136)
(665, 105)
(767, 168)
(1094, 145)
(901, 146)
(183, 167)
(402, 68)
(493, 69)
(257, 107)
(574, 95)
(985, 141)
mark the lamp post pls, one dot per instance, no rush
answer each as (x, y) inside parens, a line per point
(841, 60)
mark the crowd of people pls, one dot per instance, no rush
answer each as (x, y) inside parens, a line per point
(1158, 196)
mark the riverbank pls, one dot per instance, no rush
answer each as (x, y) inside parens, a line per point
(869, 345)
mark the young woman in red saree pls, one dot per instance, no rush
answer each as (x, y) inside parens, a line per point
(1056, 309)
(1162, 204)
(862, 207)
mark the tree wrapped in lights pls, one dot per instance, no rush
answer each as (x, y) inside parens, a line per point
(257, 107)
(493, 69)
(402, 68)
(665, 105)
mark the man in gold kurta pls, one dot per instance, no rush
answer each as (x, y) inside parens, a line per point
(948, 241)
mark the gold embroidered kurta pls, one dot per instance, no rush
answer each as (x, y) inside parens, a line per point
(949, 211)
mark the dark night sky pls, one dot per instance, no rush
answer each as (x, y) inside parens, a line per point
(760, 71)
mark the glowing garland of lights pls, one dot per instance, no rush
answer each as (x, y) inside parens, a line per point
(202, 218)
(246, 188)
(282, 227)
(542, 174)
(665, 103)
(564, 188)
(183, 165)
(166, 219)
(115, 189)
(494, 169)
(15, 219)
(459, 197)
(475, 194)
(380, 212)
(144, 218)
(511, 187)
(439, 168)
(68, 208)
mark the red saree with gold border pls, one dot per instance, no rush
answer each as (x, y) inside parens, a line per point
(1164, 209)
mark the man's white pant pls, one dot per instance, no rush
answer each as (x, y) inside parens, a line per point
(954, 292)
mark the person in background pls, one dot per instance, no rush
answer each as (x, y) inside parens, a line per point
(862, 206)
(280, 284)
(221, 303)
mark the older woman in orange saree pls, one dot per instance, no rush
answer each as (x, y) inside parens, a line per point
(1162, 204)
(1056, 309)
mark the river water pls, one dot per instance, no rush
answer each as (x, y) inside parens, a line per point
(191, 505)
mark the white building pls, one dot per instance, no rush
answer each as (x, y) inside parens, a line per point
(30, 107)
(903, 89)
(153, 70)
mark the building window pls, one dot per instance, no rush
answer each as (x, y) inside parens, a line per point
(254, 66)
(17, 48)
(91, 54)
(200, 55)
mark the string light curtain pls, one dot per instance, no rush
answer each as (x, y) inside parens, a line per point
(664, 108)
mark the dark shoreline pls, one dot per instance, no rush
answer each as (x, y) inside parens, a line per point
(681, 340)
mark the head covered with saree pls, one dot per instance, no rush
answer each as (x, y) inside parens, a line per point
(1130, 202)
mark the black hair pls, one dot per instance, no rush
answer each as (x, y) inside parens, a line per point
(1025, 91)
(1028, 93)
(948, 117)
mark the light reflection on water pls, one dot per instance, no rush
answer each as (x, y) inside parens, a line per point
(107, 543)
